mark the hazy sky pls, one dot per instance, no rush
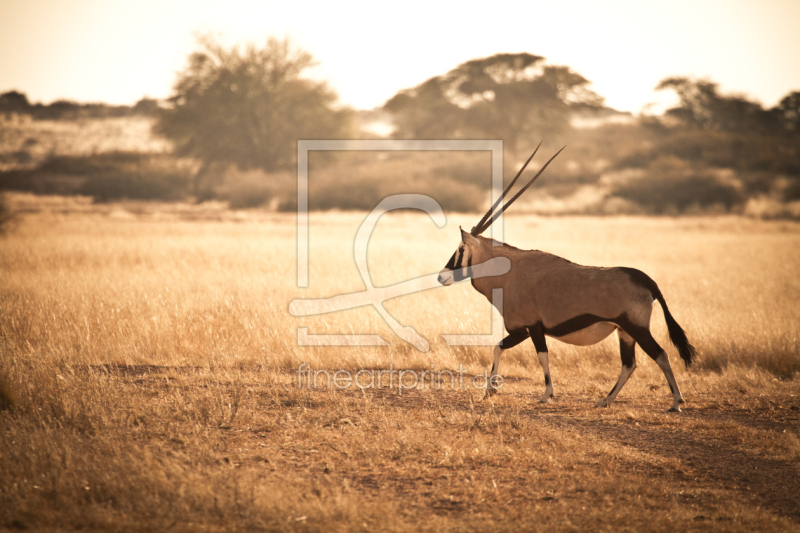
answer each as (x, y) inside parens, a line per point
(118, 51)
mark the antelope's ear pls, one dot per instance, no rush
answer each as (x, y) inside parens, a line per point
(468, 238)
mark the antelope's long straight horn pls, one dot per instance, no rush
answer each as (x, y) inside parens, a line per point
(525, 188)
(474, 230)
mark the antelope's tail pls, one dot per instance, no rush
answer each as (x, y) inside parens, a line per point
(676, 333)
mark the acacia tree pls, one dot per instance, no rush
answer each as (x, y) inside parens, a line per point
(513, 97)
(789, 112)
(247, 108)
(703, 107)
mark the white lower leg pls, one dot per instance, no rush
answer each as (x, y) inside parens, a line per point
(490, 389)
(623, 378)
(663, 362)
(544, 360)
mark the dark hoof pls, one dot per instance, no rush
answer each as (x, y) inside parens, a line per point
(674, 410)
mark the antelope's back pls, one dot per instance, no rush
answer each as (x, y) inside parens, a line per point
(544, 287)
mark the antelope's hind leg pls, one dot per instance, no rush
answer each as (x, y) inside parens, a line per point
(515, 337)
(627, 352)
(657, 353)
(540, 343)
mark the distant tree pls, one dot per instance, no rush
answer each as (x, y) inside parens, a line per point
(247, 107)
(789, 111)
(507, 96)
(703, 107)
(145, 106)
(60, 109)
(14, 102)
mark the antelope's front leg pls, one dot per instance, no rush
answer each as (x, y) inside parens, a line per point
(540, 343)
(491, 390)
(514, 337)
(544, 360)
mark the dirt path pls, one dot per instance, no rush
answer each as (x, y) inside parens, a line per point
(709, 460)
(711, 454)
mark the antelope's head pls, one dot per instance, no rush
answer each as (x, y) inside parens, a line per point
(460, 265)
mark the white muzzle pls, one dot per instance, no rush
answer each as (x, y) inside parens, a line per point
(446, 277)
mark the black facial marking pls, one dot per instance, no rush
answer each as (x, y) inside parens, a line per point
(451, 264)
(461, 272)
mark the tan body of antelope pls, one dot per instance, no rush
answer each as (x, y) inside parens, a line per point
(546, 295)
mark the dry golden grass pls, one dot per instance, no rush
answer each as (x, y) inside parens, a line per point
(146, 359)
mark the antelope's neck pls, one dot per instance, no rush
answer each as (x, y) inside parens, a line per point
(484, 285)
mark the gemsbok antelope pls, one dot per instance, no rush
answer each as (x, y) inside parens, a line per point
(547, 296)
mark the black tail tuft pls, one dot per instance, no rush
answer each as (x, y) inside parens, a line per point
(676, 333)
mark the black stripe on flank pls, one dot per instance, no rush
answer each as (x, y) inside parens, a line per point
(641, 334)
(576, 324)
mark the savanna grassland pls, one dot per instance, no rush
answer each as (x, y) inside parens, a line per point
(147, 374)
